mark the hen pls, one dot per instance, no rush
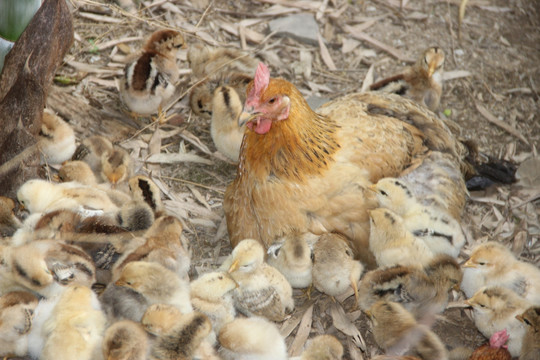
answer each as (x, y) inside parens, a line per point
(310, 171)
(495, 350)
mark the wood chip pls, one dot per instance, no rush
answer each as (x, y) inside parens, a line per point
(302, 334)
(114, 42)
(325, 55)
(507, 127)
(380, 45)
(100, 18)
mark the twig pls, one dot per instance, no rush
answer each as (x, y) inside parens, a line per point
(508, 128)
(194, 183)
(204, 14)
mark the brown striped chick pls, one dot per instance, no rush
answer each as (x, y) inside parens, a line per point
(495, 309)
(116, 166)
(396, 331)
(56, 139)
(262, 289)
(226, 134)
(293, 257)
(493, 264)
(16, 311)
(75, 328)
(120, 302)
(423, 292)
(323, 347)
(211, 295)
(90, 150)
(178, 335)
(251, 338)
(334, 268)
(441, 233)
(9, 223)
(530, 348)
(156, 283)
(125, 340)
(135, 216)
(149, 81)
(421, 82)
(392, 243)
(40, 196)
(143, 188)
(164, 245)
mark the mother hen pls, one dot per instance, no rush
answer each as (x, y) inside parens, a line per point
(301, 170)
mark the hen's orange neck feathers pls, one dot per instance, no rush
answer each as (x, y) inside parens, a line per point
(299, 146)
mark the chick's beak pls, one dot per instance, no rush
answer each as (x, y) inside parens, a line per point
(520, 318)
(233, 267)
(467, 302)
(120, 282)
(469, 264)
(355, 288)
(431, 69)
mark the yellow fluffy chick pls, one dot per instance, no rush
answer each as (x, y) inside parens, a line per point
(157, 284)
(56, 139)
(178, 335)
(90, 150)
(164, 245)
(441, 233)
(149, 80)
(211, 295)
(392, 243)
(421, 82)
(79, 171)
(397, 332)
(75, 328)
(495, 309)
(334, 267)
(116, 166)
(323, 347)
(9, 223)
(530, 348)
(262, 289)
(226, 134)
(493, 264)
(125, 340)
(40, 196)
(423, 292)
(16, 311)
(292, 256)
(251, 338)
(144, 189)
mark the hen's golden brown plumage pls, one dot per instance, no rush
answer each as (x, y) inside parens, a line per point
(309, 171)
(494, 350)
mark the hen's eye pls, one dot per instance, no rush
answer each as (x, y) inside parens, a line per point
(272, 100)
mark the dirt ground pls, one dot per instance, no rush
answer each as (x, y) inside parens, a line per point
(497, 61)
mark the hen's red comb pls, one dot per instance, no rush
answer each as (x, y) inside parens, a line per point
(498, 339)
(261, 80)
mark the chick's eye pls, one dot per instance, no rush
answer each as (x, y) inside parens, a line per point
(527, 322)
(481, 263)
(482, 306)
(383, 193)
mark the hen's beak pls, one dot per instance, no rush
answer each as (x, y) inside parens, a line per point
(246, 117)
(233, 267)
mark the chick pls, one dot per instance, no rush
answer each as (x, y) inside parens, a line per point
(56, 139)
(421, 82)
(211, 295)
(262, 290)
(492, 264)
(292, 256)
(251, 338)
(156, 283)
(120, 302)
(144, 189)
(79, 171)
(149, 81)
(116, 166)
(441, 233)
(135, 215)
(323, 347)
(530, 348)
(125, 340)
(205, 60)
(75, 328)
(178, 335)
(39, 196)
(334, 267)
(226, 134)
(396, 331)
(90, 150)
(392, 243)
(9, 223)
(495, 309)
(164, 245)
(421, 291)
(16, 311)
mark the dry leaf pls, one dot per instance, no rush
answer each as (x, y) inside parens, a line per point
(343, 324)
(507, 127)
(303, 333)
(325, 55)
